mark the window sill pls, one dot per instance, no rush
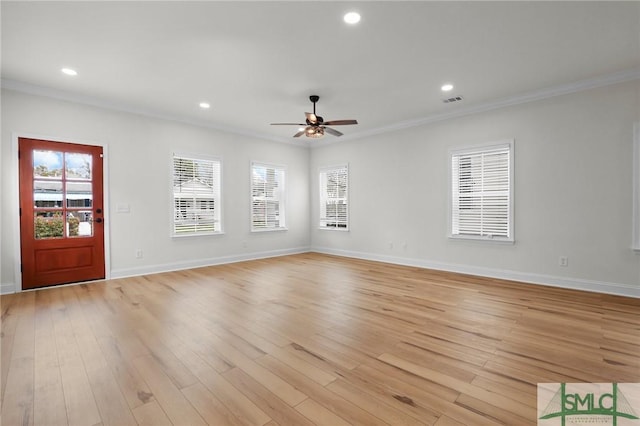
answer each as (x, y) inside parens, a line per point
(270, 230)
(329, 228)
(196, 234)
(492, 240)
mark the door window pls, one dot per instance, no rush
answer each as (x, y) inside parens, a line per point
(62, 194)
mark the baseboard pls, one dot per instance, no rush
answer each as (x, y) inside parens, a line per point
(199, 263)
(7, 288)
(526, 277)
(547, 280)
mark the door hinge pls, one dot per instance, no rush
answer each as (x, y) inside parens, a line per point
(21, 268)
(20, 211)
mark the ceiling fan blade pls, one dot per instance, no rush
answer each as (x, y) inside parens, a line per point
(300, 133)
(288, 124)
(334, 132)
(340, 122)
(311, 117)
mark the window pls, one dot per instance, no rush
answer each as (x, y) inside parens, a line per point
(267, 197)
(334, 206)
(482, 192)
(197, 204)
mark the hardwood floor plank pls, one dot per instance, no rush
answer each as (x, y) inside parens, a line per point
(17, 406)
(112, 404)
(172, 401)
(319, 415)
(244, 411)
(108, 397)
(320, 395)
(9, 305)
(134, 389)
(296, 361)
(274, 383)
(376, 406)
(213, 411)
(305, 339)
(23, 341)
(465, 388)
(150, 414)
(267, 401)
(416, 397)
(504, 415)
(78, 395)
(79, 399)
(448, 421)
(49, 404)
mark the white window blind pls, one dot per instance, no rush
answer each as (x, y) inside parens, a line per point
(334, 206)
(196, 195)
(267, 197)
(482, 192)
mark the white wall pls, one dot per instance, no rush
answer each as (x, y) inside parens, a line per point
(139, 153)
(573, 193)
(573, 189)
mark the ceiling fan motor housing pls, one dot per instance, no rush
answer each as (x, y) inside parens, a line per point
(316, 127)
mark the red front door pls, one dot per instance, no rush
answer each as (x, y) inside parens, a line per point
(61, 212)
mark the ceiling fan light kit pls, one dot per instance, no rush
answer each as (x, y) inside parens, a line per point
(315, 125)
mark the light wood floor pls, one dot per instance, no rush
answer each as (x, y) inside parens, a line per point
(305, 339)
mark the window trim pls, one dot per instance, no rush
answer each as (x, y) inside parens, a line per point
(635, 243)
(283, 202)
(204, 157)
(325, 169)
(506, 143)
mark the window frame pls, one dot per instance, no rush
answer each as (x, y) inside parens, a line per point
(323, 198)
(635, 242)
(217, 194)
(509, 144)
(282, 202)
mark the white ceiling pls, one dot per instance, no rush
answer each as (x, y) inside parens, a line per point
(257, 62)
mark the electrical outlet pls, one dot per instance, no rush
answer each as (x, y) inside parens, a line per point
(390, 245)
(563, 261)
(139, 254)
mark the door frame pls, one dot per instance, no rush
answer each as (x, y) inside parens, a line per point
(15, 200)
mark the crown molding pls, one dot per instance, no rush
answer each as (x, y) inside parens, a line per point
(48, 92)
(522, 98)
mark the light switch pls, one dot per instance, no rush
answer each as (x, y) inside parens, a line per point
(122, 208)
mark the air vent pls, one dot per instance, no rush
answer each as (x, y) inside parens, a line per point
(453, 99)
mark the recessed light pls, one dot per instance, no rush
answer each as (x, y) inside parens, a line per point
(352, 18)
(69, 71)
(446, 87)
(205, 105)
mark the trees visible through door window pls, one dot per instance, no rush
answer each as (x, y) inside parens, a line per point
(62, 194)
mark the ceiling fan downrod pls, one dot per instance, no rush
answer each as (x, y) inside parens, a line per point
(314, 99)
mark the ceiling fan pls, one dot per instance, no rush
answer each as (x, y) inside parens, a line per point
(315, 125)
